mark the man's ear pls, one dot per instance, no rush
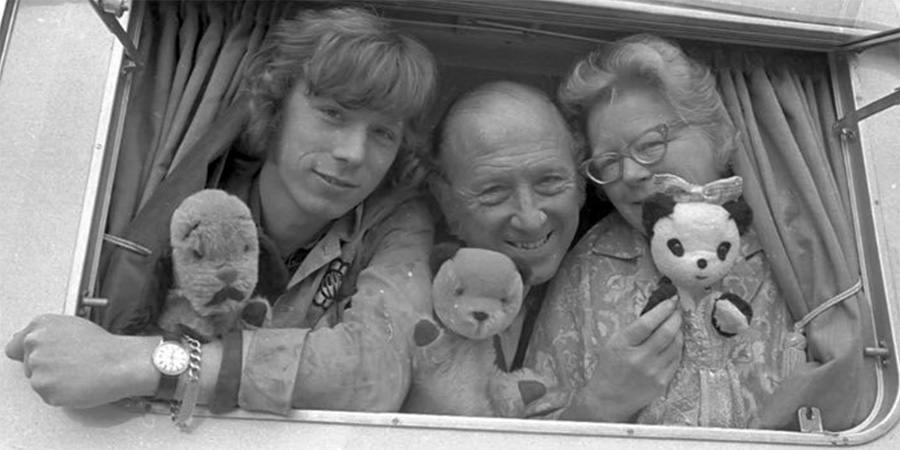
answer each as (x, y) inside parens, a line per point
(656, 207)
(441, 253)
(741, 214)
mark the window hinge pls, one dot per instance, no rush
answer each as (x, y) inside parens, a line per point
(109, 12)
(848, 123)
(810, 419)
(882, 352)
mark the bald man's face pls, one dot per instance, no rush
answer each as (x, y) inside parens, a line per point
(511, 183)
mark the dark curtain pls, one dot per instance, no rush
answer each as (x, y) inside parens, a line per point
(195, 53)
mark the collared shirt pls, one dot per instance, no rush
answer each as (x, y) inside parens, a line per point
(604, 283)
(341, 332)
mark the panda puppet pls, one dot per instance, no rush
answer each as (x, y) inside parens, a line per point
(695, 241)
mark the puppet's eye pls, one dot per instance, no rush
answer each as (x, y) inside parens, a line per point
(247, 248)
(196, 253)
(723, 250)
(675, 247)
(459, 290)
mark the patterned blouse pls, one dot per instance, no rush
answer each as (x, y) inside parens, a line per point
(603, 284)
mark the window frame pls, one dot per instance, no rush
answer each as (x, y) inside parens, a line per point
(620, 16)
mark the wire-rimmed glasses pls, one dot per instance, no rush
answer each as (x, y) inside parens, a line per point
(648, 148)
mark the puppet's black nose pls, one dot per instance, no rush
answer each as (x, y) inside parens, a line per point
(227, 275)
(701, 263)
(480, 316)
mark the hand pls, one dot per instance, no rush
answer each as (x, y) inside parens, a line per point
(73, 362)
(633, 368)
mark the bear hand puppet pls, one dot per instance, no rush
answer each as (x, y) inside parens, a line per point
(477, 294)
(214, 265)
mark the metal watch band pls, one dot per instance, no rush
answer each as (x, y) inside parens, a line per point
(183, 410)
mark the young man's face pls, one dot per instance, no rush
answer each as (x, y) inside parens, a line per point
(330, 158)
(511, 185)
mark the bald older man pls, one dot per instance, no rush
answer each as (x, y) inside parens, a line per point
(506, 179)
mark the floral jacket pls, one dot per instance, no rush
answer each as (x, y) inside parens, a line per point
(603, 284)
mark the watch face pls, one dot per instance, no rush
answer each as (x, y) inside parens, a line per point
(170, 358)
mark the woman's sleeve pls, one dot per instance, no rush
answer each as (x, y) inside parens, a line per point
(364, 362)
(557, 348)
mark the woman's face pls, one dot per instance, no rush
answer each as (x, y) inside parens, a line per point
(330, 158)
(513, 187)
(612, 127)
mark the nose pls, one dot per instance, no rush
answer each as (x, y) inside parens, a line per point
(350, 145)
(528, 215)
(227, 275)
(479, 316)
(632, 171)
(701, 263)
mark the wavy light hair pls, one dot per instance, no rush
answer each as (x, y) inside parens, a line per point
(651, 62)
(352, 56)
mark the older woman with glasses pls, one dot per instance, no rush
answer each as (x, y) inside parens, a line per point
(645, 109)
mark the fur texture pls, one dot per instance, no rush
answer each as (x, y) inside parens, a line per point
(694, 245)
(477, 293)
(215, 254)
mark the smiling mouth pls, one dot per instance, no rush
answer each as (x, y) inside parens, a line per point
(701, 277)
(335, 181)
(531, 245)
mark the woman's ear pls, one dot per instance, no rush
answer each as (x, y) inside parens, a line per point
(741, 214)
(656, 207)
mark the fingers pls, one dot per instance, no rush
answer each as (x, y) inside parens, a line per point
(643, 328)
(665, 336)
(15, 348)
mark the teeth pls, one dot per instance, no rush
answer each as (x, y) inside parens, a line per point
(531, 245)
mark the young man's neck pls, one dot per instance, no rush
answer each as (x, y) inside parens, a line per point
(282, 218)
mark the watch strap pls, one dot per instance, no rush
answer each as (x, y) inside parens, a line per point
(225, 396)
(168, 384)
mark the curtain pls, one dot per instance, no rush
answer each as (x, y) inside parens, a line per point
(194, 55)
(795, 181)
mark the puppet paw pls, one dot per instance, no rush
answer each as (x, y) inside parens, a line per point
(731, 315)
(425, 333)
(256, 314)
(531, 390)
(663, 292)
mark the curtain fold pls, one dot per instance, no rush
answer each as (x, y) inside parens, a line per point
(195, 53)
(795, 181)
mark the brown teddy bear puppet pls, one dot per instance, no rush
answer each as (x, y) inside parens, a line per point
(477, 293)
(215, 257)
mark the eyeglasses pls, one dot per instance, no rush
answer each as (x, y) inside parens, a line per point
(648, 148)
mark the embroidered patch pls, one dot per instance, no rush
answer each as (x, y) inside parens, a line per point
(331, 283)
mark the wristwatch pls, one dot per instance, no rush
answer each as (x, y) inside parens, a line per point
(171, 359)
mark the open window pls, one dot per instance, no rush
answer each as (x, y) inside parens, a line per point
(840, 57)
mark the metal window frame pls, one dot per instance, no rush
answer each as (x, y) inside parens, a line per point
(709, 26)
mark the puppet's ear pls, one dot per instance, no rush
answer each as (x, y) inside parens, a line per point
(656, 207)
(441, 253)
(741, 214)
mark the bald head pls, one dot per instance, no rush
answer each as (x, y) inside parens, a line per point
(495, 112)
(508, 176)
